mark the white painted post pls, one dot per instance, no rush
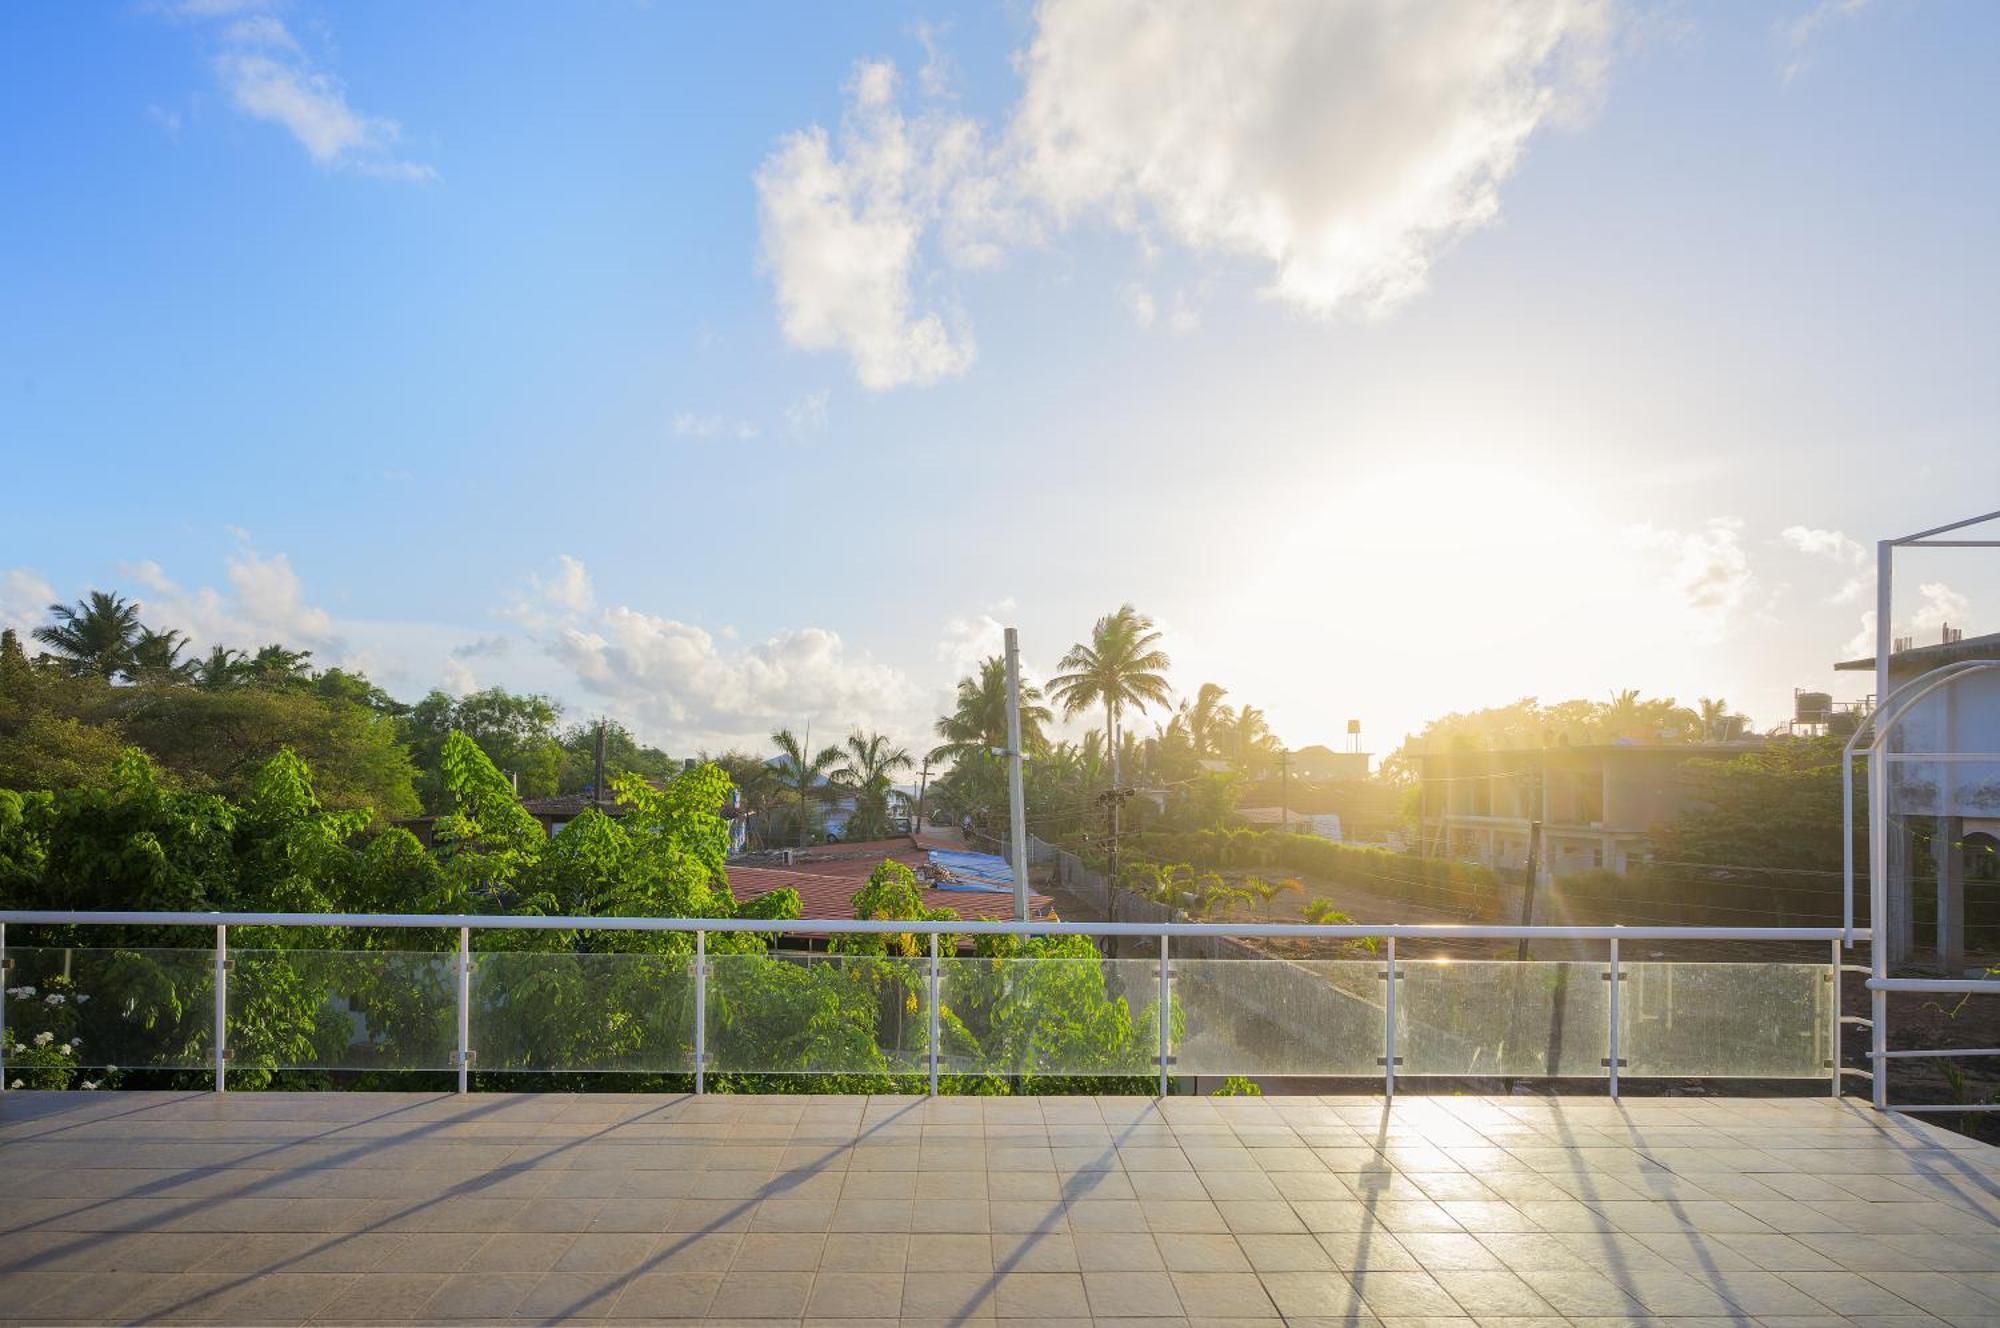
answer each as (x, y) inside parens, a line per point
(1166, 1014)
(1833, 1024)
(1389, 1025)
(5, 1037)
(1017, 813)
(934, 1013)
(1615, 979)
(221, 1001)
(701, 1012)
(1881, 929)
(464, 1008)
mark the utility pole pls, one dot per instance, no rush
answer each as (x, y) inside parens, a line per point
(1284, 783)
(597, 778)
(805, 755)
(1017, 812)
(923, 781)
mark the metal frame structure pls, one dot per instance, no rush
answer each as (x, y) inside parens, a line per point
(1164, 933)
(1889, 712)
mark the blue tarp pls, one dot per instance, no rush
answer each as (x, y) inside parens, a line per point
(983, 873)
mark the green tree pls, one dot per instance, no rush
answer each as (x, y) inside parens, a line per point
(517, 732)
(804, 779)
(867, 772)
(1121, 667)
(977, 724)
(95, 636)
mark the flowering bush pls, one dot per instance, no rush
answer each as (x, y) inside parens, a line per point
(43, 1049)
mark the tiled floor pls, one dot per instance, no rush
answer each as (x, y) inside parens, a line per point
(351, 1208)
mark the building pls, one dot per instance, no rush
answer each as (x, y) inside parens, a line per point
(1322, 762)
(1598, 804)
(827, 875)
(1945, 822)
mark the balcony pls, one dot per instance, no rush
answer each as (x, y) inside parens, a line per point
(1769, 1199)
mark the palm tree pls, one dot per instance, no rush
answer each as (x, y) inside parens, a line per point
(1121, 666)
(1718, 722)
(156, 657)
(1207, 717)
(1268, 891)
(801, 777)
(1250, 738)
(276, 664)
(95, 637)
(869, 764)
(220, 668)
(978, 721)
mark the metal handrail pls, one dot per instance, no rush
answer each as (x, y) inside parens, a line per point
(1163, 933)
(880, 927)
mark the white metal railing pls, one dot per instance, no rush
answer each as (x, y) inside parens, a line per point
(1163, 933)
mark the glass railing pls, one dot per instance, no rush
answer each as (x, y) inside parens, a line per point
(800, 1013)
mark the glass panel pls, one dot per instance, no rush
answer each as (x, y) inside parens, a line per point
(343, 1009)
(583, 1012)
(131, 1008)
(1276, 1016)
(1050, 1016)
(1489, 1017)
(817, 1014)
(1745, 1021)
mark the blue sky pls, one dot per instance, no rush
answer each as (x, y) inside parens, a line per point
(550, 348)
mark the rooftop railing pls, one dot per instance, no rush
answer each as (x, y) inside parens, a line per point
(922, 1014)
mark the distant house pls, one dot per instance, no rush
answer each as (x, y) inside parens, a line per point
(1599, 804)
(1324, 824)
(1322, 762)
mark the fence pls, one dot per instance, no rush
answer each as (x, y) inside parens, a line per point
(942, 1013)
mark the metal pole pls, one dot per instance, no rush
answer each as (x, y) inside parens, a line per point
(464, 1008)
(934, 1013)
(1017, 811)
(5, 1036)
(1166, 1014)
(1389, 1026)
(1615, 978)
(1880, 928)
(1833, 1023)
(221, 1001)
(1885, 599)
(701, 1012)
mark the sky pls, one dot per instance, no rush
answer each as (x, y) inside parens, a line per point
(720, 368)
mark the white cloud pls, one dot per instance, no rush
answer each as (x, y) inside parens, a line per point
(265, 602)
(457, 676)
(808, 415)
(841, 233)
(687, 424)
(1795, 34)
(1706, 570)
(25, 597)
(567, 593)
(1942, 606)
(1825, 544)
(268, 75)
(1343, 147)
(1145, 309)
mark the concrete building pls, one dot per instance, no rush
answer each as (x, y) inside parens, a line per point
(1944, 819)
(1598, 804)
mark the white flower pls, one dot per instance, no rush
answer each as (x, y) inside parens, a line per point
(63, 1048)
(43, 1039)
(53, 998)
(76, 1042)
(90, 1083)
(20, 991)
(15, 1084)
(111, 1069)
(81, 998)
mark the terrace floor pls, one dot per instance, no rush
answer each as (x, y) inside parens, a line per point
(1524, 1211)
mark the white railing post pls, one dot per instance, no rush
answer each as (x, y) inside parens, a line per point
(464, 1009)
(1389, 1025)
(221, 1001)
(1616, 979)
(1166, 1014)
(5, 1036)
(701, 1012)
(934, 1013)
(1833, 1023)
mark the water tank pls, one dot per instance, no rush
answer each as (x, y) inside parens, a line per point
(1812, 707)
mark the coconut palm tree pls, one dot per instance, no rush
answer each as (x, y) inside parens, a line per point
(220, 668)
(93, 638)
(1718, 722)
(866, 773)
(1207, 717)
(803, 777)
(978, 722)
(156, 657)
(1121, 667)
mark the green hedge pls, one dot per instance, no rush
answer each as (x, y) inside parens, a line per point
(1432, 881)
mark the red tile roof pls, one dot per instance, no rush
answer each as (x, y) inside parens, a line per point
(824, 895)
